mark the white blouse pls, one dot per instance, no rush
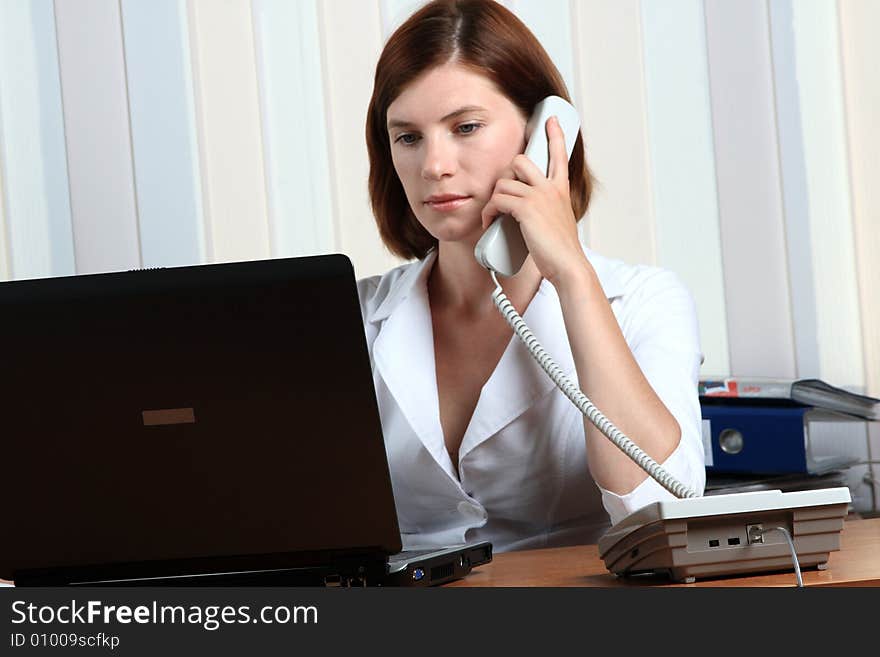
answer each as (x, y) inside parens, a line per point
(523, 480)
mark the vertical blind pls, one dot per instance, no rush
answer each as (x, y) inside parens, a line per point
(733, 144)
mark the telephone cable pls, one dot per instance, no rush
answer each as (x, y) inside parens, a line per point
(580, 400)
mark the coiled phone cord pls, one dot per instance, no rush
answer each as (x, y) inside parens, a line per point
(601, 422)
(580, 400)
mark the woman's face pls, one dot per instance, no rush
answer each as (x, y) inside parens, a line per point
(453, 134)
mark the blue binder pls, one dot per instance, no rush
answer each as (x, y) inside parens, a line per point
(760, 439)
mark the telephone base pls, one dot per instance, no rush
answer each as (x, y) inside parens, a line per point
(707, 537)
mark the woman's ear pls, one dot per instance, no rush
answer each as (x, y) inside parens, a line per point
(529, 129)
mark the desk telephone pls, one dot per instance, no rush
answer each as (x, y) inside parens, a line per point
(690, 536)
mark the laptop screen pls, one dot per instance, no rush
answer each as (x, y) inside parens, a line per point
(217, 413)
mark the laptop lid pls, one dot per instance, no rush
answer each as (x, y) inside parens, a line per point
(190, 419)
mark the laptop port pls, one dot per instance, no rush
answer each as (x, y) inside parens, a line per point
(443, 571)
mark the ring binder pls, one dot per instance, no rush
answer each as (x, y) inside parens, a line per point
(761, 439)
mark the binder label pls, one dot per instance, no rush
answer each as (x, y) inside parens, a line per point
(707, 442)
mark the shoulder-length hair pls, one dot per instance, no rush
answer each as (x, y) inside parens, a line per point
(480, 35)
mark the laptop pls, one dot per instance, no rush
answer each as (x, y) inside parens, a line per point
(199, 425)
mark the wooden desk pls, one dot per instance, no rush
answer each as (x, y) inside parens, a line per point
(857, 563)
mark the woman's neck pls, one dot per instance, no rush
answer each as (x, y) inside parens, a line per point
(460, 284)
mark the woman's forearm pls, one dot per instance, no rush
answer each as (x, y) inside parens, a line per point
(611, 378)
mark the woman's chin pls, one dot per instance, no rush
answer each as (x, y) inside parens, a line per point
(468, 238)
(457, 230)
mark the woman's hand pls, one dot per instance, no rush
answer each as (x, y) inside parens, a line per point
(542, 206)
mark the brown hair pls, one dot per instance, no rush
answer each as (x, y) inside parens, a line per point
(483, 36)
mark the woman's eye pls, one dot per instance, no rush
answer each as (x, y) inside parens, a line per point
(468, 128)
(408, 139)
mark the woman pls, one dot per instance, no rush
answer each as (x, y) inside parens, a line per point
(481, 444)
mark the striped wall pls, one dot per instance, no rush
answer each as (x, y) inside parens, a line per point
(162, 115)
(230, 140)
(681, 150)
(97, 128)
(860, 67)
(734, 143)
(35, 203)
(746, 157)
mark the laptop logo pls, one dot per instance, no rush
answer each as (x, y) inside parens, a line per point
(167, 416)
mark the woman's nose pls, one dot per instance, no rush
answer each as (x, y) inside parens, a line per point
(440, 159)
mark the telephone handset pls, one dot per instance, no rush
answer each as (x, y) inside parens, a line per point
(502, 247)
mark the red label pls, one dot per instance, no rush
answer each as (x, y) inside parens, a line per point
(729, 390)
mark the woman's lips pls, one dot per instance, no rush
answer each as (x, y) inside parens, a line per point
(448, 206)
